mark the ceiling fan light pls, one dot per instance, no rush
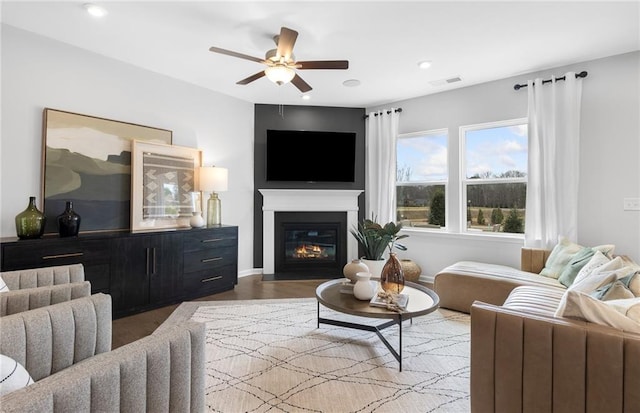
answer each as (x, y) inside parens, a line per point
(279, 74)
(95, 10)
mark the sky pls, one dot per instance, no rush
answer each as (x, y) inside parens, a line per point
(494, 150)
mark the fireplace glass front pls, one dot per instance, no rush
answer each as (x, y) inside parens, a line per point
(310, 244)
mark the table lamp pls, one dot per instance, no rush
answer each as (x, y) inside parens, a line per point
(213, 179)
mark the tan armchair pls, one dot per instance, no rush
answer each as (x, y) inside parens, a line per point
(38, 287)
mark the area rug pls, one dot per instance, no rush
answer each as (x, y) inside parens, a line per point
(271, 356)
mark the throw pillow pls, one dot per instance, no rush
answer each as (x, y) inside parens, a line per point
(3, 286)
(13, 375)
(559, 257)
(613, 291)
(602, 275)
(597, 260)
(571, 270)
(584, 307)
(634, 284)
(606, 249)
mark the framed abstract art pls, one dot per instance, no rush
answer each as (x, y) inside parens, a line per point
(87, 160)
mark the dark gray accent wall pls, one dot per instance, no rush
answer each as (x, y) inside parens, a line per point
(312, 118)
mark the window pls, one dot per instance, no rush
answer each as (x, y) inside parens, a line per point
(494, 176)
(421, 179)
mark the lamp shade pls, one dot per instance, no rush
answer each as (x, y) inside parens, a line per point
(279, 74)
(213, 179)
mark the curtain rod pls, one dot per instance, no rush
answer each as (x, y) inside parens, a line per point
(581, 74)
(381, 112)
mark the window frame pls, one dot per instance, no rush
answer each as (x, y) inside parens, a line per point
(442, 182)
(465, 182)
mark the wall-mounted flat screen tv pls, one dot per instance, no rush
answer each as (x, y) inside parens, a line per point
(310, 156)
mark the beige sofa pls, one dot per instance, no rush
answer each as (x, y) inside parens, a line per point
(40, 287)
(66, 349)
(523, 359)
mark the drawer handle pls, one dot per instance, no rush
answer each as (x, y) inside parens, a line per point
(211, 259)
(72, 254)
(206, 280)
(213, 240)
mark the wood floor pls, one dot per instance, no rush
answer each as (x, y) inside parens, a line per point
(128, 329)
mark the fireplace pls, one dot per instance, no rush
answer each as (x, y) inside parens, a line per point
(310, 244)
(316, 202)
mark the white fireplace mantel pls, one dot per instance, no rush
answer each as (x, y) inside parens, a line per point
(320, 200)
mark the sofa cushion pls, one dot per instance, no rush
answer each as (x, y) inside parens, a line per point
(534, 299)
(464, 282)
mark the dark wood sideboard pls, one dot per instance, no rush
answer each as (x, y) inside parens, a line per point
(140, 271)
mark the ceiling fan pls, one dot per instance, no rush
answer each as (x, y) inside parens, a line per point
(281, 62)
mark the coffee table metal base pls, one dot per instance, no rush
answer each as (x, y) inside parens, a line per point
(373, 328)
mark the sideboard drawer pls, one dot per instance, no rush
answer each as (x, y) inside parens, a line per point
(93, 254)
(47, 254)
(220, 237)
(209, 259)
(211, 280)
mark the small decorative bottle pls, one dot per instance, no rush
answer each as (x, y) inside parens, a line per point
(30, 222)
(69, 222)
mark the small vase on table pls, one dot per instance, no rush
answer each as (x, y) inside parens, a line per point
(392, 276)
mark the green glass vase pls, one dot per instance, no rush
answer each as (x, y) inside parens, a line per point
(30, 222)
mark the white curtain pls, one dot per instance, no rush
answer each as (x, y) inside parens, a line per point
(380, 180)
(554, 150)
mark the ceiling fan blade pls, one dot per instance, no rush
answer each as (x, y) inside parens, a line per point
(301, 84)
(286, 40)
(235, 54)
(250, 78)
(323, 64)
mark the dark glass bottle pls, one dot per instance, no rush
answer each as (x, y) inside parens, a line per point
(30, 222)
(69, 222)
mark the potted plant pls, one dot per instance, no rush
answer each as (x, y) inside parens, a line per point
(374, 239)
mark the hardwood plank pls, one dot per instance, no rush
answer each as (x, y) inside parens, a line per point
(129, 329)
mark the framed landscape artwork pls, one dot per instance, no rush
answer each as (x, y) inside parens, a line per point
(87, 160)
(164, 181)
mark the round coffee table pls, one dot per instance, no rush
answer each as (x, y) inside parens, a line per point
(421, 301)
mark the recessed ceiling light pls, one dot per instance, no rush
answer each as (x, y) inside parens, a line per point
(425, 64)
(305, 97)
(351, 83)
(95, 10)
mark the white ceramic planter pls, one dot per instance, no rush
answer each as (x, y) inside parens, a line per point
(375, 267)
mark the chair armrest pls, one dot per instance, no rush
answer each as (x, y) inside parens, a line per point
(533, 259)
(13, 302)
(163, 372)
(49, 339)
(45, 276)
(550, 364)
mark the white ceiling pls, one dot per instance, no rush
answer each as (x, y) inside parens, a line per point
(383, 40)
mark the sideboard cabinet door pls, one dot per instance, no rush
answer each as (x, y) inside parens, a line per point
(146, 271)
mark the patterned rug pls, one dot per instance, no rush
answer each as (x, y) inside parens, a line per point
(270, 356)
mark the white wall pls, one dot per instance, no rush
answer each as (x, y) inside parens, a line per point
(38, 72)
(609, 158)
